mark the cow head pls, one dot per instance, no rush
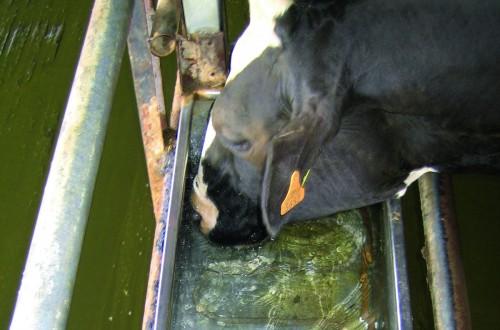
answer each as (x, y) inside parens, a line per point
(271, 120)
(260, 131)
(227, 188)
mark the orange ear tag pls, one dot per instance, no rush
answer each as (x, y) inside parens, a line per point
(296, 192)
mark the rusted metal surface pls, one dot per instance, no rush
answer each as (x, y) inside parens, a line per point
(155, 61)
(159, 152)
(171, 213)
(201, 59)
(443, 254)
(149, 101)
(152, 302)
(176, 103)
(165, 26)
(49, 276)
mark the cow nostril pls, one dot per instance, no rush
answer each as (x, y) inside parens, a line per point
(196, 216)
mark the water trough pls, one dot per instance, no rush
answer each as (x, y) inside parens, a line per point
(351, 273)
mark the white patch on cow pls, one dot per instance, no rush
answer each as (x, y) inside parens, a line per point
(412, 177)
(202, 204)
(209, 138)
(259, 33)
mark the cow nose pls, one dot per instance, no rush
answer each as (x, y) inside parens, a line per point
(206, 210)
(195, 216)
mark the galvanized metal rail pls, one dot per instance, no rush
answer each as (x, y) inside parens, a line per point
(399, 306)
(49, 276)
(443, 256)
(172, 215)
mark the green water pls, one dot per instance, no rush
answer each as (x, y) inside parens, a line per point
(39, 46)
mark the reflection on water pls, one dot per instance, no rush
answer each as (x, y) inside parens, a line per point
(322, 274)
(314, 275)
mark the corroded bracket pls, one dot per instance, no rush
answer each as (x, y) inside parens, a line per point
(202, 61)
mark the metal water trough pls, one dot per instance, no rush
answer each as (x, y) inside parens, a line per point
(159, 303)
(47, 284)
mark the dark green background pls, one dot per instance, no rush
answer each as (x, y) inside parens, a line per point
(39, 46)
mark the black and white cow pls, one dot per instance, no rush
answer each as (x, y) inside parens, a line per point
(334, 105)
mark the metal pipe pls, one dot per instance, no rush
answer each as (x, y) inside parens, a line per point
(207, 20)
(47, 285)
(165, 26)
(443, 254)
(155, 61)
(172, 213)
(399, 307)
(159, 153)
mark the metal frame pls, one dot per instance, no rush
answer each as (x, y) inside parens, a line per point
(172, 215)
(156, 312)
(47, 284)
(400, 316)
(443, 256)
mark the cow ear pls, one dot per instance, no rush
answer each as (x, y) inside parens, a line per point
(290, 156)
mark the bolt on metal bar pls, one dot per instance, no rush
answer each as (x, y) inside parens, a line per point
(443, 254)
(399, 306)
(47, 285)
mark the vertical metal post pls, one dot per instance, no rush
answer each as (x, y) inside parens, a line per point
(207, 20)
(172, 215)
(399, 306)
(149, 96)
(159, 152)
(443, 254)
(47, 285)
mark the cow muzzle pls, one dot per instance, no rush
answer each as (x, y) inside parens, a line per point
(204, 206)
(235, 225)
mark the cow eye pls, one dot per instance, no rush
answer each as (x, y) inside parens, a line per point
(236, 146)
(241, 146)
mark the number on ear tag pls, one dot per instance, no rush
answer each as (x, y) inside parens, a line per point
(295, 195)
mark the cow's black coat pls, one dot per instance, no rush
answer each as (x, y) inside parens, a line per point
(362, 93)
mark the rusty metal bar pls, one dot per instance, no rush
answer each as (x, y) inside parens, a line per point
(159, 153)
(443, 253)
(47, 285)
(156, 313)
(150, 101)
